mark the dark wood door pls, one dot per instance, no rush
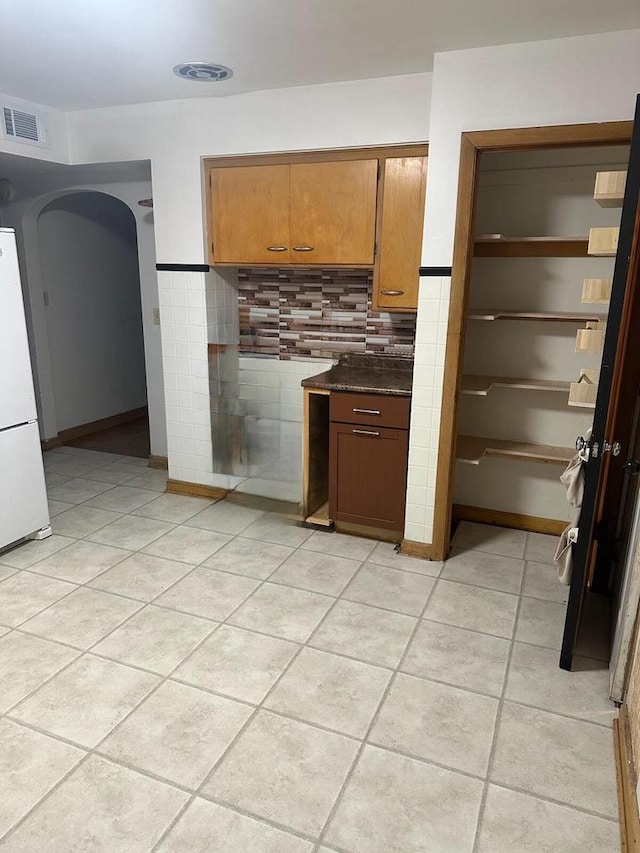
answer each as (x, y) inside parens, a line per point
(368, 475)
(609, 445)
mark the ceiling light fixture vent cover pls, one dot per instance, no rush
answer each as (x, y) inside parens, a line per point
(22, 126)
(203, 72)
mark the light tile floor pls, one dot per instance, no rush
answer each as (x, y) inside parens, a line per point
(183, 676)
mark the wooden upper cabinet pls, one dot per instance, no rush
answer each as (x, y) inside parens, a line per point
(333, 212)
(324, 208)
(250, 214)
(400, 234)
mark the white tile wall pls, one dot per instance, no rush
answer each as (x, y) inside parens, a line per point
(196, 308)
(431, 336)
(274, 385)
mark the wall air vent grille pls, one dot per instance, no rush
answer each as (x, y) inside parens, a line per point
(22, 126)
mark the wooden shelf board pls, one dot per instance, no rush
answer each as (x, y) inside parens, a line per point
(321, 516)
(472, 449)
(498, 245)
(544, 316)
(583, 393)
(603, 242)
(609, 188)
(590, 340)
(481, 385)
(596, 291)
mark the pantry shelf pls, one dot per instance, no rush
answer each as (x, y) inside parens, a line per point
(544, 316)
(472, 449)
(480, 386)
(500, 246)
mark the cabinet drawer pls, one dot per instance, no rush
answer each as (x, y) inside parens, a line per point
(371, 409)
(368, 475)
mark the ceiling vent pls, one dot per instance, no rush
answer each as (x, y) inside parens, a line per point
(203, 72)
(22, 126)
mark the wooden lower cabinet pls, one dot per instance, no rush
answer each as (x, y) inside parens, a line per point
(367, 468)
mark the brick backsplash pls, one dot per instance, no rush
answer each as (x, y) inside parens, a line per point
(292, 314)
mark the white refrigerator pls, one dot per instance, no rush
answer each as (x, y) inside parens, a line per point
(24, 513)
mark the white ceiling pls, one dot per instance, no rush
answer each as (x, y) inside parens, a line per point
(80, 54)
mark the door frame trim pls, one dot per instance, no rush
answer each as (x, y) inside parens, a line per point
(472, 145)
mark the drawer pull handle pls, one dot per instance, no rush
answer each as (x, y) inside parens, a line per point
(365, 432)
(367, 411)
(392, 292)
(303, 248)
(276, 248)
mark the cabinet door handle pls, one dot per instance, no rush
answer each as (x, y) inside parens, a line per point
(364, 432)
(303, 248)
(276, 248)
(367, 411)
(392, 292)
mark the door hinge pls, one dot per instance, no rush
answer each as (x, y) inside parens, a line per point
(379, 171)
(209, 179)
(375, 249)
(212, 248)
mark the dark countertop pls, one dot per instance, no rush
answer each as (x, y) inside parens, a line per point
(371, 374)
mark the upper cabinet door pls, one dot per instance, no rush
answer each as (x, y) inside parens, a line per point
(403, 197)
(250, 215)
(333, 212)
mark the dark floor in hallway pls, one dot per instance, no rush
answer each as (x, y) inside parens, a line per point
(130, 439)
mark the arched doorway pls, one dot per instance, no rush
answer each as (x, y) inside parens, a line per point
(88, 251)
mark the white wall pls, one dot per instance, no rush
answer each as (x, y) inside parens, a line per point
(564, 81)
(584, 79)
(129, 185)
(175, 136)
(89, 256)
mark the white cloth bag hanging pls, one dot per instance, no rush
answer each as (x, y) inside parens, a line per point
(573, 480)
(563, 558)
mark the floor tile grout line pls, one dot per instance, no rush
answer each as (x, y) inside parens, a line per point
(413, 633)
(362, 563)
(143, 602)
(172, 783)
(128, 554)
(89, 649)
(217, 623)
(243, 729)
(151, 601)
(155, 603)
(555, 802)
(161, 681)
(282, 827)
(194, 685)
(260, 707)
(27, 814)
(372, 723)
(431, 762)
(498, 719)
(502, 637)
